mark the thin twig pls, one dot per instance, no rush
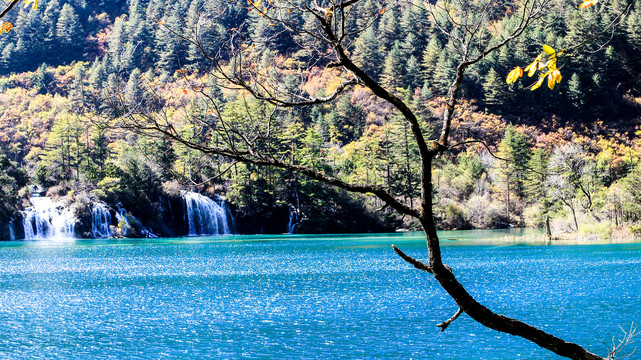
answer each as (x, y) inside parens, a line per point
(447, 322)
(417, 264)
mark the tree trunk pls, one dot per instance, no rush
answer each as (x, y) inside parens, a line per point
(485, 316)
(548, 230)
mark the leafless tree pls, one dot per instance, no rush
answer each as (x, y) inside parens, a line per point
(325, 31)
(619, 347)
(572, 173)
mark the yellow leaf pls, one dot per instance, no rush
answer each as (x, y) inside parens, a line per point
(531, 69)
(586, 4)
(539, 82)
(514, 75)
(6, 27)
(548, 50)
(551, 82)
(34, 2)
(557, 76)
(551, 65)
(257, 4)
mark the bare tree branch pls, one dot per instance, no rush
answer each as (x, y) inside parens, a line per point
(447, 322)
(416, 263)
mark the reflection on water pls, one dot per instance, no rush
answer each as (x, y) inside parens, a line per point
(293, 297)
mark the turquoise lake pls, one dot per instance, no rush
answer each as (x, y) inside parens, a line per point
(305, 297)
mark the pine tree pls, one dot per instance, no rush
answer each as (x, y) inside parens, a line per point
(388, 29)
(40, 79)
(49, 23)
(140, 37)
(409, 24)
(133, 91)
(493, 89)
(576, 95)
(430, 57)
(69, 30)
(534, 184)
(27, 40)
(6, 56)
(348, 120)
(515, 152)
(633, 28)
(97, 75)
(116, 42)
(366, 52)
(410, 46)
(77, 88)
(167, 47)
(366, 10)
(393, 75)
(413, 73)
(444, 73)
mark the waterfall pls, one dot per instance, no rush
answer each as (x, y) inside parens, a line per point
(48, 220)
(294, 220)
(12, 231)
(100, 221)
(205, 216)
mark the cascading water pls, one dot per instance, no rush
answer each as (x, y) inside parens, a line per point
(100, 221)
(47, 220)
(294, 220)
(205, 216)
(12, 232)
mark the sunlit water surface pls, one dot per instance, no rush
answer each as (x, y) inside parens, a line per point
(303, 297)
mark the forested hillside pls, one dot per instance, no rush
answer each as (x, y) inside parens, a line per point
(573, 152)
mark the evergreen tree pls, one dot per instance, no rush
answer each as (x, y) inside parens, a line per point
(6, 57)
(49, 22)
(365, 11)
(633, 28)
(77, 89)
(12, 178)
(40, 79)
(133, 91)
(430, 58)
(493, 89)
(348, 119)
(366, 52)
(413, 73)
(576, 95)
(410, 46)
(167, 46)
(515, 153)
(388, 29)
(444, 73)
(69, 30)
(116, 43)
(535, 179)
(97, 75)
(393, 75)
(410, 24)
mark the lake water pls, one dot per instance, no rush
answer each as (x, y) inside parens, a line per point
(304, 297)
